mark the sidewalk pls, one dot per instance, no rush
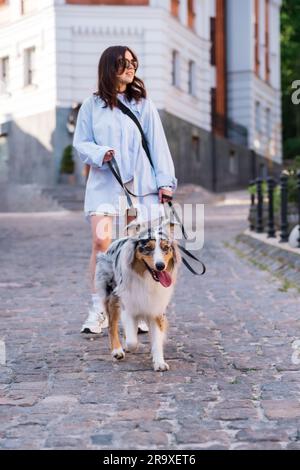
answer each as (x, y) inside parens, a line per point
(232, 349)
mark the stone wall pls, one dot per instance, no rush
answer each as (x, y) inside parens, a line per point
(30, 144)
(213, 162)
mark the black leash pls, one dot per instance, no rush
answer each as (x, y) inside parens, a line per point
(117, 174)
(168, 199)
(114, 167)
(184, 250)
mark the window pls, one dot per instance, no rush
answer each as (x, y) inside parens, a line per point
(192, 78)
(268, 123)
(213, 41)
(256, 36)
(257, 116)
(5, 14)
(29, 62)
(175, 68)
(29, 6)
(191, 14)
(195, 150)
(175, 8)
(233, 167)
(267, 39)
(4, 74)
(108, 2)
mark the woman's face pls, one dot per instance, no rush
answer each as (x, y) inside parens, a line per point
(128, 75)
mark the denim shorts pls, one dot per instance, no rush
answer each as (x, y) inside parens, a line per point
(132, 211)
(145, 208)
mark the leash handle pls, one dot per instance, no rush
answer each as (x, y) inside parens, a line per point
(186, 252)
(166, 198)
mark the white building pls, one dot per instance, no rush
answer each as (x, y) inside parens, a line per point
(211, 66)
(253, 66)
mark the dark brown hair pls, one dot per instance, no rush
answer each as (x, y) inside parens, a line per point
(109, 66)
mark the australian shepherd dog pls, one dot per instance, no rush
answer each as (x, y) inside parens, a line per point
(135, 279)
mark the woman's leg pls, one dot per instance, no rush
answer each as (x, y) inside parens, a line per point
(101, 226)
(101, 239)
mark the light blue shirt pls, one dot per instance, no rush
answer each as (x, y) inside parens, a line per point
(100, 129)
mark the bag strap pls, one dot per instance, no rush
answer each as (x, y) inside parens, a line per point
(129, 113)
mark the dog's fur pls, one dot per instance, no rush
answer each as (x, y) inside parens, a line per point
(130, 277)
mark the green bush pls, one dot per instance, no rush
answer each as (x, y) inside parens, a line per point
(291, 148)
(291, 171)
(292, 180)
(67, 162)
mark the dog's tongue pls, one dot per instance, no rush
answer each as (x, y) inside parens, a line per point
(164, 278)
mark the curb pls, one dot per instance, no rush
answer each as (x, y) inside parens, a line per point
(280, 262)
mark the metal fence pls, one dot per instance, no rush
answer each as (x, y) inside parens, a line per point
(263, 217)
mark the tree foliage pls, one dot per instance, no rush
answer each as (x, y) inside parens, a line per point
(290, 59)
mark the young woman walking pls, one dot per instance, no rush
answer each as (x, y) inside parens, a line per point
(103, 131)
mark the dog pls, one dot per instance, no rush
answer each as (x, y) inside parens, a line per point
(135, 279)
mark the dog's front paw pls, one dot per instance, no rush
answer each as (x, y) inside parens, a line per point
(160, 366)
(118, 354)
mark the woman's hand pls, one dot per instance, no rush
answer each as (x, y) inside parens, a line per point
(108, 156)
(164, 192)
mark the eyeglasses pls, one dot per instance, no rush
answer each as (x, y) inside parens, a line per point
(125, 63)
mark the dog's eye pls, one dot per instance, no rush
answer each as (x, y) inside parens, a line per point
(145, 249)
(166, 248)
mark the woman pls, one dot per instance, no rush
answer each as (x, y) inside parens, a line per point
(103, 131)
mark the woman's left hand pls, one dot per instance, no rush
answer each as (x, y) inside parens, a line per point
(164, 192)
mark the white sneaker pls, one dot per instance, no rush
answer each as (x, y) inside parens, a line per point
(142, 327)
(95, 322)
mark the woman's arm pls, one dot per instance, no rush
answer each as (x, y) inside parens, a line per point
(159, 148)
(83, 140)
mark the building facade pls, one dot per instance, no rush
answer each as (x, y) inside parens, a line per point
(211, 66)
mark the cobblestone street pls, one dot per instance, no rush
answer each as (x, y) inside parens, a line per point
(232, 382)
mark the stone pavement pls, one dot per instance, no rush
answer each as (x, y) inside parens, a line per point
(234, 375)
